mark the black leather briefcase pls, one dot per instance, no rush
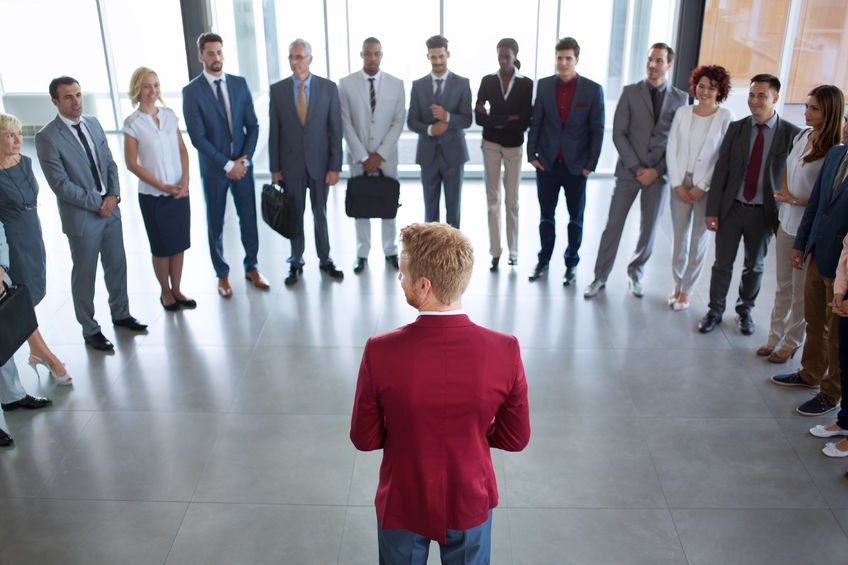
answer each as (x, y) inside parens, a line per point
(279, 210)
(18, 319)
(372, 196)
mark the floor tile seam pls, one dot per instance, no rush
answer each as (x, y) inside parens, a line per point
(71, 448)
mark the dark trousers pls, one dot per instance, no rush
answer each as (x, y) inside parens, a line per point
(433, 176)
(548, 183)
(318, 192)
(746, 223)
(215, 190)
(842, 417)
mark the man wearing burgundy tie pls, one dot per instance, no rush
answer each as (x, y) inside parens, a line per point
(222, 125)
(741, 205)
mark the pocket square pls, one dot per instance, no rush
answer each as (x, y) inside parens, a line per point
(582, 105)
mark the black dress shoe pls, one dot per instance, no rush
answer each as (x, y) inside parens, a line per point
(745, 323)
(359, 265)
(331, 270)
(393, 259)
(98, 341)
(541, 269)
(570, 275)
(28, 402)
(292, 278)
(495, 261)
(130, 324)
(709, 322)
(5, 438)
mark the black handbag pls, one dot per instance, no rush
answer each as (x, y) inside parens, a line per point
(17, 319)
(372, 196)
(279, 210)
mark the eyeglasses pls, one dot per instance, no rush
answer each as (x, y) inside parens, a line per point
(298, 57)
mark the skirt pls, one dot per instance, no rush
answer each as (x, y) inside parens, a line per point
(167, 221)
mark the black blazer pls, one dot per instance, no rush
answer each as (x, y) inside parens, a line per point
(495, 126)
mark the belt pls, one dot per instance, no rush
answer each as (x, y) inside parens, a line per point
(749, 204)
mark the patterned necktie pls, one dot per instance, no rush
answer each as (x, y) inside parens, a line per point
(437, 97)
(301, 105)
(372, 94)
(91, 164)
(752, 177)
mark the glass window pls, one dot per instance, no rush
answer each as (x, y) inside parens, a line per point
(820, 54)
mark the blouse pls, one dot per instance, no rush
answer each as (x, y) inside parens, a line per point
(800, 178)
(158, 147)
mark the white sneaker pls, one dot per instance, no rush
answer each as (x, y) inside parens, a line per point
(636, 288)
(593, 289)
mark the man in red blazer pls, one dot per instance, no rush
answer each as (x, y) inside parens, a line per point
(435, 395)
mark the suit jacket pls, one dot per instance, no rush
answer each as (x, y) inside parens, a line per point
(640, 141)
(732, 164)
(207, 124)
(313, 149)
(825, 220)
(456, 99)
(677, 151)
(495, 126)
(68, 172)
(435, 395)
(581, 136)
(365, 132)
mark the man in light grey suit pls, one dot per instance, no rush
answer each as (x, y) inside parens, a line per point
(305, 150)
(372, 121)
(79, 168)
(640, 133)
(440, 112)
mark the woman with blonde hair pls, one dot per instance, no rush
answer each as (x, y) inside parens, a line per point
(154, 152)
(823, 114)
(19, 216)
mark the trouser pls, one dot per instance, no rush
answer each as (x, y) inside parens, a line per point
(493, 155)
(215, 190)
(388, 229)
(548, 184)
(433, 176)
(318, 192)
(820, 358)
(461, 547)
(690, 240)
(11, 389)
(787, 317)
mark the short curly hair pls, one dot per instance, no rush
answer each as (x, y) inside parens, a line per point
(715, 74)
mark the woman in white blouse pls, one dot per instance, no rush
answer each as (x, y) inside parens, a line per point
(691, 154)
(154, 152)
(805, 160)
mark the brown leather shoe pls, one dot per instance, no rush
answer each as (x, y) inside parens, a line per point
(258, 280)
(782, 355)
(224, 288)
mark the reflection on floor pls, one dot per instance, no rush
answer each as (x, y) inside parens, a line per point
(221, 435)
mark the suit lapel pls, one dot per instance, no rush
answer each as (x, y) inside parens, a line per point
(212, 96)
(645, 95)
(71, 138)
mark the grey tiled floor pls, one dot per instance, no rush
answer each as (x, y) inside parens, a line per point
(220, 436)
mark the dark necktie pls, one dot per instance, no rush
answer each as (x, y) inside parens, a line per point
(91, 163)
(752, 176)
(372, 94)
(220, 94)
(437, 97)
(656, 102)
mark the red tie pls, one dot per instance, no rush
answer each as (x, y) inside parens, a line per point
(753, 174)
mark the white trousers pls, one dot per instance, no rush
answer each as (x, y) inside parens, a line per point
(493, 155)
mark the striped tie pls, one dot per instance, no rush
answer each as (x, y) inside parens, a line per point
(372, 94)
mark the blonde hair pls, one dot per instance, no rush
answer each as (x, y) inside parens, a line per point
(442, 254)
(8, 122)
(135, 84)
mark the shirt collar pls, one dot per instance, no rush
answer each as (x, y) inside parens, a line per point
(769, 122)
(376, 77)
(442, 313)
(444, 76)
(210, 78)
(70, 123)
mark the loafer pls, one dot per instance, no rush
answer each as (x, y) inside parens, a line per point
(187, 303)
(224, 288)
(831, 450)
(635, 287)
(745, 323)
(791, 379)
(130, 324)
(5, 438)
(709, 322)
(569, 276)
(172, 307)
(495, 261)
(816, 406)
(539, 271)
(256, 279)
(27, 402)
(393, 261)
(822, 431)
(593, 289)
(359, 265)
(98, 341)
(293, 273)
(332, 271)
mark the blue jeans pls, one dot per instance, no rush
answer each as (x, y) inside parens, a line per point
(461, 547)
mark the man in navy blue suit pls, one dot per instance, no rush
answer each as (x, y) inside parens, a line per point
(222, 125)
(564, 144)
(305, 150)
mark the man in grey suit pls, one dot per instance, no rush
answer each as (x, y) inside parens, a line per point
(740, 204)
(79, 168)
(439, 112)
(372, 121)
(305, 150)
(640, 133)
